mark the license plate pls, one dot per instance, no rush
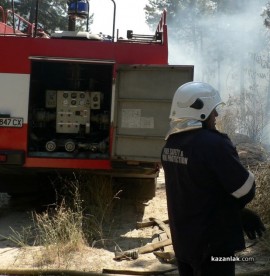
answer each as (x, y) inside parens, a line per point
(11, 122)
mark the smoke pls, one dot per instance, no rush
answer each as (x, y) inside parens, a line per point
(228, 50)
(225, 48)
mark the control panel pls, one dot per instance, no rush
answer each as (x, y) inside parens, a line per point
(73, 109)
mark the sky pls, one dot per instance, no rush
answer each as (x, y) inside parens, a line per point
(129, 16)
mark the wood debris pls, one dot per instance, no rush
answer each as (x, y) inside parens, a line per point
(158, 241)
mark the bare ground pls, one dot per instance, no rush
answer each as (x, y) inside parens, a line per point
(122, 236)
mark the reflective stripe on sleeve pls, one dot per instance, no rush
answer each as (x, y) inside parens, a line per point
(245, 187)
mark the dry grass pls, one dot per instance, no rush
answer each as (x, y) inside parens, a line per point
(22, 237)
(99, 199)
(62, 227)
(261, 202)
(79, 219)
(59, 230)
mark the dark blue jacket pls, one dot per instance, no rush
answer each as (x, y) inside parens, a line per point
(206, 188)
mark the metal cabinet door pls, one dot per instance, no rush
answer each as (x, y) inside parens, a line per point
(142, 106)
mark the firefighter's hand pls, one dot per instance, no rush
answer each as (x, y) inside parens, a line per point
(252, 224)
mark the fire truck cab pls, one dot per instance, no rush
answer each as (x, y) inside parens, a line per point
(73, 100)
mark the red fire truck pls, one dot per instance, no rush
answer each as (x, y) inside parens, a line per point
(73, 100)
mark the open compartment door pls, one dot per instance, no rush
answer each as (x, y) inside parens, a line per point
(143, 101)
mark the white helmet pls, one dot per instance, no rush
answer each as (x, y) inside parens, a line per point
(194, 100)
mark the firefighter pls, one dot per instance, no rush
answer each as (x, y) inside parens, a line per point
(207, 187)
